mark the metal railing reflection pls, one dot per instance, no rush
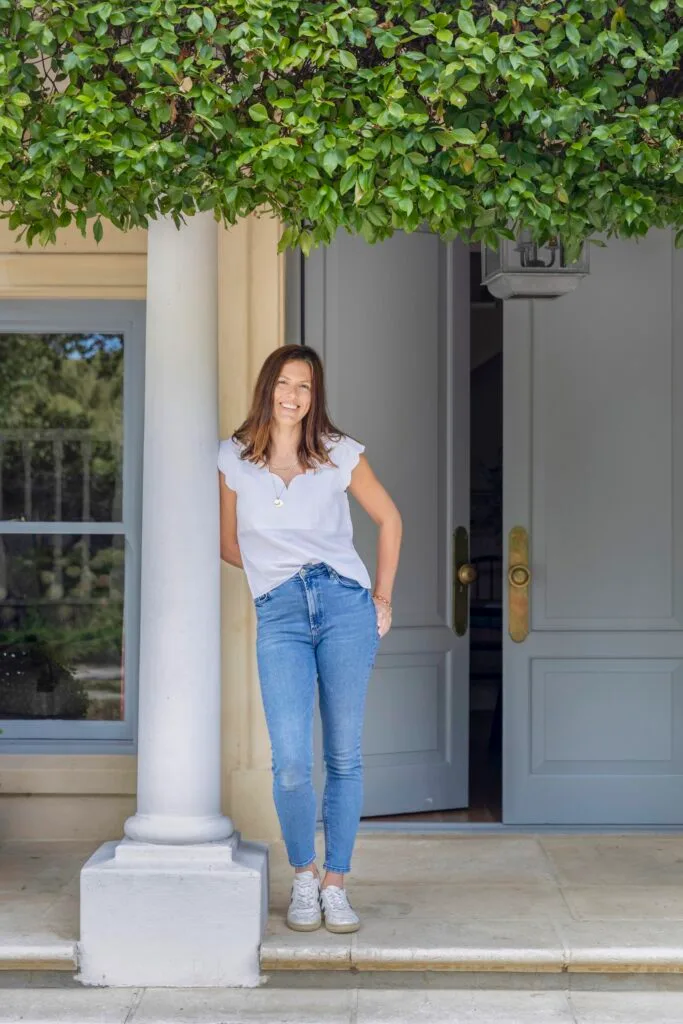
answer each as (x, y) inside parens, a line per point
(63, 591)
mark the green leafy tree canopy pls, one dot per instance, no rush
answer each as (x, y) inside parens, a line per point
(471, 117)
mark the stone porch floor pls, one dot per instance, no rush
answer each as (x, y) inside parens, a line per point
(467, 903)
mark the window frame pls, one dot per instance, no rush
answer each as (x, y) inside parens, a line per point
(97, 316)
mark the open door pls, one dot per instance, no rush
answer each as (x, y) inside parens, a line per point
(593, 472)
(392, 324)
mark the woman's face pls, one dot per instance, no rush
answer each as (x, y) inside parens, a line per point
(292, 395)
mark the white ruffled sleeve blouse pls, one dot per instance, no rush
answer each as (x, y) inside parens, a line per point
(280, 529)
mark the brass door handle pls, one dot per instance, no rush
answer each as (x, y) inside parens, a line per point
(467, 574)
(519, 580)
(519, 576)
(463, 574)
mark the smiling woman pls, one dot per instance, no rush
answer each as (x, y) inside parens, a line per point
(289, 392)
(292, 395)
(285, 520)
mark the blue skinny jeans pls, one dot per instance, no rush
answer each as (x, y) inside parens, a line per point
(320, 626)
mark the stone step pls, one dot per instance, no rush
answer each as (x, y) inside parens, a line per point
(437, 947)
(28, 956)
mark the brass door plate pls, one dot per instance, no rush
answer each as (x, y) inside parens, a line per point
(519, 581)
(461, 555)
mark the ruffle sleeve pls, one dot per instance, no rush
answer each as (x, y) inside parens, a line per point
(228, 462)
(347, 454)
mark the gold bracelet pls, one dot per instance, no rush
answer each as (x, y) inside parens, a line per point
(382, 600)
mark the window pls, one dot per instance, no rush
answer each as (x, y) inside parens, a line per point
(71, 396)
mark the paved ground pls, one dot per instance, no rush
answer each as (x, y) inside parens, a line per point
(545, 904)
(423, 1000)
(39, 885)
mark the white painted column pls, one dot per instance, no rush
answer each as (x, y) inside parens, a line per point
(178, 735)
(182, 900)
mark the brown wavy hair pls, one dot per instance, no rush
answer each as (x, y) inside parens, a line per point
(316, 427)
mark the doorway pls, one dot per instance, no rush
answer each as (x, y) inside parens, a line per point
(484, 804)
(593, 693)
(486, 549)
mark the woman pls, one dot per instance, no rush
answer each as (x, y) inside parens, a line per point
(285, 520)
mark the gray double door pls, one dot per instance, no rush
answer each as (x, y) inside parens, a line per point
(593, 464)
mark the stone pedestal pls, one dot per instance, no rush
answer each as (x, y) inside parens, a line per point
(183, 916)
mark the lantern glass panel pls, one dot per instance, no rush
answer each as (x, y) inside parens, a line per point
(491, 261)
(525, 256)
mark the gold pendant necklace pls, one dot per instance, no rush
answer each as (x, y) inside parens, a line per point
(278, 497)
(278, 502)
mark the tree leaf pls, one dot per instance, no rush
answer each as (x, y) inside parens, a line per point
(330, 160)
(348, 60)
(468, 83)
(258, 112)
(572, 33)
(464, 135)
(466, 23)
(422, 27)
(348, 180)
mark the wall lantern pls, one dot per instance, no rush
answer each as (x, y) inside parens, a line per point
(524, 270)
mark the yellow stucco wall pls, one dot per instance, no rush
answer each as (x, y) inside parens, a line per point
(89, 796)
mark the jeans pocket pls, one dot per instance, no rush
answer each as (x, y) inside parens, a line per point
(346, 581)
(261, 600)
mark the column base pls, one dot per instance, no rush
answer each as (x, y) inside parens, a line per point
(180, 916)
(175, 829)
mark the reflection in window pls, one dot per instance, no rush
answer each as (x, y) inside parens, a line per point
(61, 595)
(61, 627)
(61, 427)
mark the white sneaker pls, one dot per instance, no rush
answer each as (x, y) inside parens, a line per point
(304, 913)
(340, 916)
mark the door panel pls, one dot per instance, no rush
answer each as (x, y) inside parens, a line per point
(593, 468)
(392, 323)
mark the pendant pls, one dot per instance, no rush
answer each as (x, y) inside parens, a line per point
(278, 503)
